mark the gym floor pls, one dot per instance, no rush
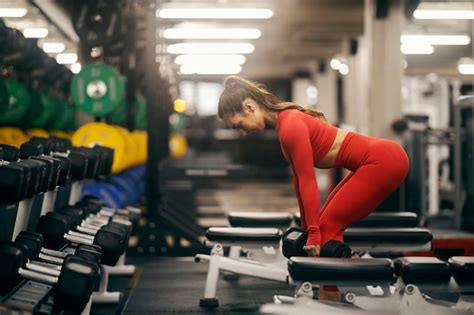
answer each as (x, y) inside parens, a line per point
(174, 286)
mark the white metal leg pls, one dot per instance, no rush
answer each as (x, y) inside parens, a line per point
(103, 296)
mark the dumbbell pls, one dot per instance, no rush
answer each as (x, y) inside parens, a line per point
(55, 228)
(32, 243)
(71, 289)
(99, 216)
(132, 213)
(294, 240)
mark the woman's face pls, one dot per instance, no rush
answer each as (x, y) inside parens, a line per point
(249, 120)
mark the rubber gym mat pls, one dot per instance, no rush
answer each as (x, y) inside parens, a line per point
(175, 285)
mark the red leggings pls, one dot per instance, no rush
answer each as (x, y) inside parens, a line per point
(378, 167)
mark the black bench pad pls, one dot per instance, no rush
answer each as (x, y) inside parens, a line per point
(462, 268)
(383, 219)
(260, 219)
(232, 234)
(348, 270)
(388, 235)
(418, 270)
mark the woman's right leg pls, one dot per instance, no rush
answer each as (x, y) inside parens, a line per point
(334, 192)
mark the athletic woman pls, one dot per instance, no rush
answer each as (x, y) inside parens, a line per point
(377, 166)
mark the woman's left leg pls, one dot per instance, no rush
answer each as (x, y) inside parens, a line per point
(359, 196)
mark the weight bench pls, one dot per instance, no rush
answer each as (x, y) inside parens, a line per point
(365, 284)
(282, 219)
(266, 261)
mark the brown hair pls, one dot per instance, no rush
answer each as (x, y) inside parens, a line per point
(237, 89)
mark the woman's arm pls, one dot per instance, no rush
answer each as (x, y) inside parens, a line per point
(295, 139)
(300, 203)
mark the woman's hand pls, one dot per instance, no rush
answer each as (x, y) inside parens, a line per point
(312, 250)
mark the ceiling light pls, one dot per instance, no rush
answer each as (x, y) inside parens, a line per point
(416, 49)
(35, 32)
(436, 39)
(66, 58)
(343, 69)
(211, 48)
(212, 68)
(76, 67)
(12, 12)
(466, 66)
(335, 63)
(227, 58)
(53, 48)
(444, 14)
(209, 13)
(212, 33)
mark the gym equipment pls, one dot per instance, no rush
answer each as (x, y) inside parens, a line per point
(4, 95)
(105, 135)
(73, 287)
(178, 145)
(177, 123)
(114, 137)
(268, 262)
(419, 282)
(98, 23)
(63, 119)
(41, 111)
(12, 136)
(37, 132)
(97, 90)
(19, 99)
(119, 115)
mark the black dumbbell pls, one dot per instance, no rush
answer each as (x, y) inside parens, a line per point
(131, 213)
(33, 243)
(73, 287)
(294, 240)
(55, 226)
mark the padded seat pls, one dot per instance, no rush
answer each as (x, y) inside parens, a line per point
(260, 219)
(383, 219)
(346, 271)
(462, 268)
(419, 270)
(232, 234)
(387, 235)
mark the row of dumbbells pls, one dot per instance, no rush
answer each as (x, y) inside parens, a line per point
(94, 235)
(43, 164)
(99, 235)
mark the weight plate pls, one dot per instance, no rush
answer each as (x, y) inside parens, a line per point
(41, 111)
(97, 90)
(12, 136)
(178, 145)
(98, 133)
(18, 102)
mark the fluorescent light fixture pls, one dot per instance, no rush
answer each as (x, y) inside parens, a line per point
(212, 68)
(212, 33)
(66, 58)
(443, 14)
(466, 66)
(12, 12)
(53, 48)
(416, 49)
(211, 48)
(436, 39)
(210, 13)
(335, 63)
(343, 69)
(35, 32)
(76, 67)
(227, 58)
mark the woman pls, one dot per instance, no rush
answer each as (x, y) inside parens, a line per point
(377, 166)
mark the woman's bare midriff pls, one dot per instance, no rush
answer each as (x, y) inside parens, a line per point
(330, 158)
